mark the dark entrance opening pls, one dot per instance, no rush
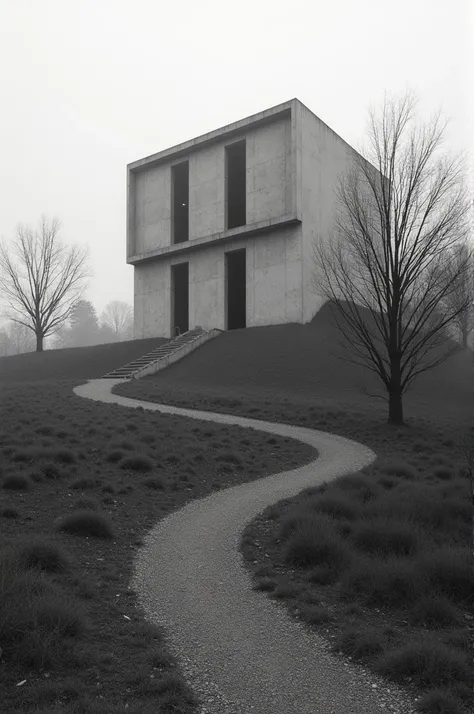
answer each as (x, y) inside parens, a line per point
(180, 201)
(236, 289)
(180, 298)
(236, 185)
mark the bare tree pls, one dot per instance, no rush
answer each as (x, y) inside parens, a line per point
(118, 316)
(16, 339)
(395, 229)
(463, 295)
(42, 285)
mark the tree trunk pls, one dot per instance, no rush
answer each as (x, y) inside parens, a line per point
(39, 342)
(395, 408)
(395, 402)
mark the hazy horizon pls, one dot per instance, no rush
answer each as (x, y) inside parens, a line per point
(90, 88)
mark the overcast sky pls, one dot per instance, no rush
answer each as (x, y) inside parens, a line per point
(87, 86)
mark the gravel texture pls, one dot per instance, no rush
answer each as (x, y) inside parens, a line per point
(240, 651)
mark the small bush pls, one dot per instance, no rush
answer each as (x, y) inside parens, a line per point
(385, 538)
(82, 484)
(394, 582)
(42, 555)
(439, 701)
(86, 523)
(449, 572)
(114, 456)
(401, 469)
(9, 513)
(51, 471)
(434, 612)
(335, 506)
(427, 662)
(358, 486)
(137, 462)
(65, 456)
(314, 614)
(16, 482)
(154, 482)
(322, 575)
(315, 541)
(364, 645)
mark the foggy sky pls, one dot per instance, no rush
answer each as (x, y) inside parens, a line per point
(88, 86)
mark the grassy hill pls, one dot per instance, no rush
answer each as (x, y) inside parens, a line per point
(303, 363)
(74, 362)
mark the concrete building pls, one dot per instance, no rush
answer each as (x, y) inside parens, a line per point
(220, 228)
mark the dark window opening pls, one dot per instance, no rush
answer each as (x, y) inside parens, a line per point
(236, 185)
(180, 298)
(180, 197)
(236, 290)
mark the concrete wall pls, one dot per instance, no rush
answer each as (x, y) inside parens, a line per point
(325, 157)
(274, 285)
(269, 187)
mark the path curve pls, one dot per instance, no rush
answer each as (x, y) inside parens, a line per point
(240, 651)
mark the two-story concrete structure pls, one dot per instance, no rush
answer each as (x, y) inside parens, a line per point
(220, 228)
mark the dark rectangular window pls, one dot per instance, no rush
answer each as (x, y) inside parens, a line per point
(180, 201)
(236, 184)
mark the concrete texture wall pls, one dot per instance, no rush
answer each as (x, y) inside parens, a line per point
(325, 157)
(269, 188)
(273, 278)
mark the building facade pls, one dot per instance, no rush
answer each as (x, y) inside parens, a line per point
(220, 229)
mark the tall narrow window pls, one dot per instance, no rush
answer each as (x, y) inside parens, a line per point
(236, 184)
(180, 201)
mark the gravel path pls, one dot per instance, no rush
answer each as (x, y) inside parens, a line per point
(240, 651)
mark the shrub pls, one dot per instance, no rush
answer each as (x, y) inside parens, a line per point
(65, 456)
(84, 483)
(315, 541)
(51, 471)
(114, 456)
(439, 701)
(314, 614)
(9, 513)
(322, 575)
(385, 537)
(42, 555)
(449, 572)
(401, 469)
(86, 523)
(16, 482)
(428, 662)
(137, 462)
(154, 482)
(394, 582)
(364, 645)
(86, 504)
(336, 506)
(432, 611)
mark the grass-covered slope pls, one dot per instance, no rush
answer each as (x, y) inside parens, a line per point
(73, 362)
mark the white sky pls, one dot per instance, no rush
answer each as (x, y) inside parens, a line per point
(87, 86)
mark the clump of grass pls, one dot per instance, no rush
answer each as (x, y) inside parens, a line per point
(86, 504)
(9, 513)
(41, 554)
(427, 662)
(433, 611)
(229, 457)
(361, 644)
(84, 483)
(385, 537)
(439, 701)
(86, 523)
(265, 584)
(51, 471)
(444, 473)
(394, 582)
(314, 614)
(114, 456)
(448, 571)
(137, 462)
(358, 486)
(315, 541)
(335, 505)
(154, 482)
(399, 468)
(65, 456)
(16, 482)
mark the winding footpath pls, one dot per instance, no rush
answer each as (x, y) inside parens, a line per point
(240, 652)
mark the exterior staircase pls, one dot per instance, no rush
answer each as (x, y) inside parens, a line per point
(163, 355)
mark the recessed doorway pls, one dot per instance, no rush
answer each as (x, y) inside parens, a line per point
(236, 283)
(179, 298)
